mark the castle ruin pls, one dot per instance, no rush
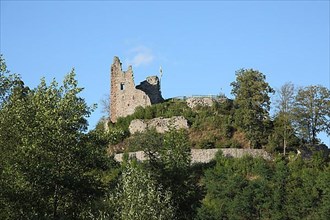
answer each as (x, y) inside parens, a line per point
(125, 96)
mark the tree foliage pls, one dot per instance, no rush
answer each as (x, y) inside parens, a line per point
(8, 81)
(283, 136)
(170, 164)
(52, 168)
(252, 188)
(253, 104)
(139, 196)
(55, 169)
(312, 112)
(285, 104)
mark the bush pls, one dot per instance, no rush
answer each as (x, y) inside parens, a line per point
(115, 135)
(206, 144)
(148, 140)
(230, 143)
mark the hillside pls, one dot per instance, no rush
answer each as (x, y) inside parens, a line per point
(53, 168)
(209, 127)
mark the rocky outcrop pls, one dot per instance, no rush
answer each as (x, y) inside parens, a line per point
(206, 155)
(193, 102)
(160, 124)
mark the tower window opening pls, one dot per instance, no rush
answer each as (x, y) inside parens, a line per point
(122, 86)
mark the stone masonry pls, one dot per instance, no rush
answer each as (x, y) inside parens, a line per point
(206, 155)
(193, 102)
(160, 124)
(125, 96)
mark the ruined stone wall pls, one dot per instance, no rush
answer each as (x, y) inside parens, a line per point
(206, 155)
(193, 102)
(125, 97)
(160, 124)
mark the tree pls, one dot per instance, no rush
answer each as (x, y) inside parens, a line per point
(139, 196)
(285, 103)
(304, 198)
(283, 134)
(8, 81)
(322, 184)
(279, 181)
(150, 141)
(11, 179)
(312, 112)
(236, 189)
(253, 103)
(105, 102)
(175, 173)
(57, 168)
(175, 153)
(170, 164)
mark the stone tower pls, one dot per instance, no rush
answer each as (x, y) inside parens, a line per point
(125, 96)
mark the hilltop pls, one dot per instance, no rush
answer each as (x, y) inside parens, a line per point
(53, 168)
(217, 121)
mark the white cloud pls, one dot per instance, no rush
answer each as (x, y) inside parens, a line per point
(140, 56)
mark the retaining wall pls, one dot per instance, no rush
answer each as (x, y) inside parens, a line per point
(206, 155)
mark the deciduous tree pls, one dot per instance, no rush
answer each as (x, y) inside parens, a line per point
(285, 104)
(7, 81)
(312, 112)
(55, 168)
(139, 196)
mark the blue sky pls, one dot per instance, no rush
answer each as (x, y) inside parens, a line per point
(199, 44)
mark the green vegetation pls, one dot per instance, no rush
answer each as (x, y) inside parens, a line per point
(283, 122)
(252, 188)
(245, 121)
(252, 103)
(312, 112)
(49, 166)
(139, 196)
(210, 126)
(52, 168)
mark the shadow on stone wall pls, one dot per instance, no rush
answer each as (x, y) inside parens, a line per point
(151, 87)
